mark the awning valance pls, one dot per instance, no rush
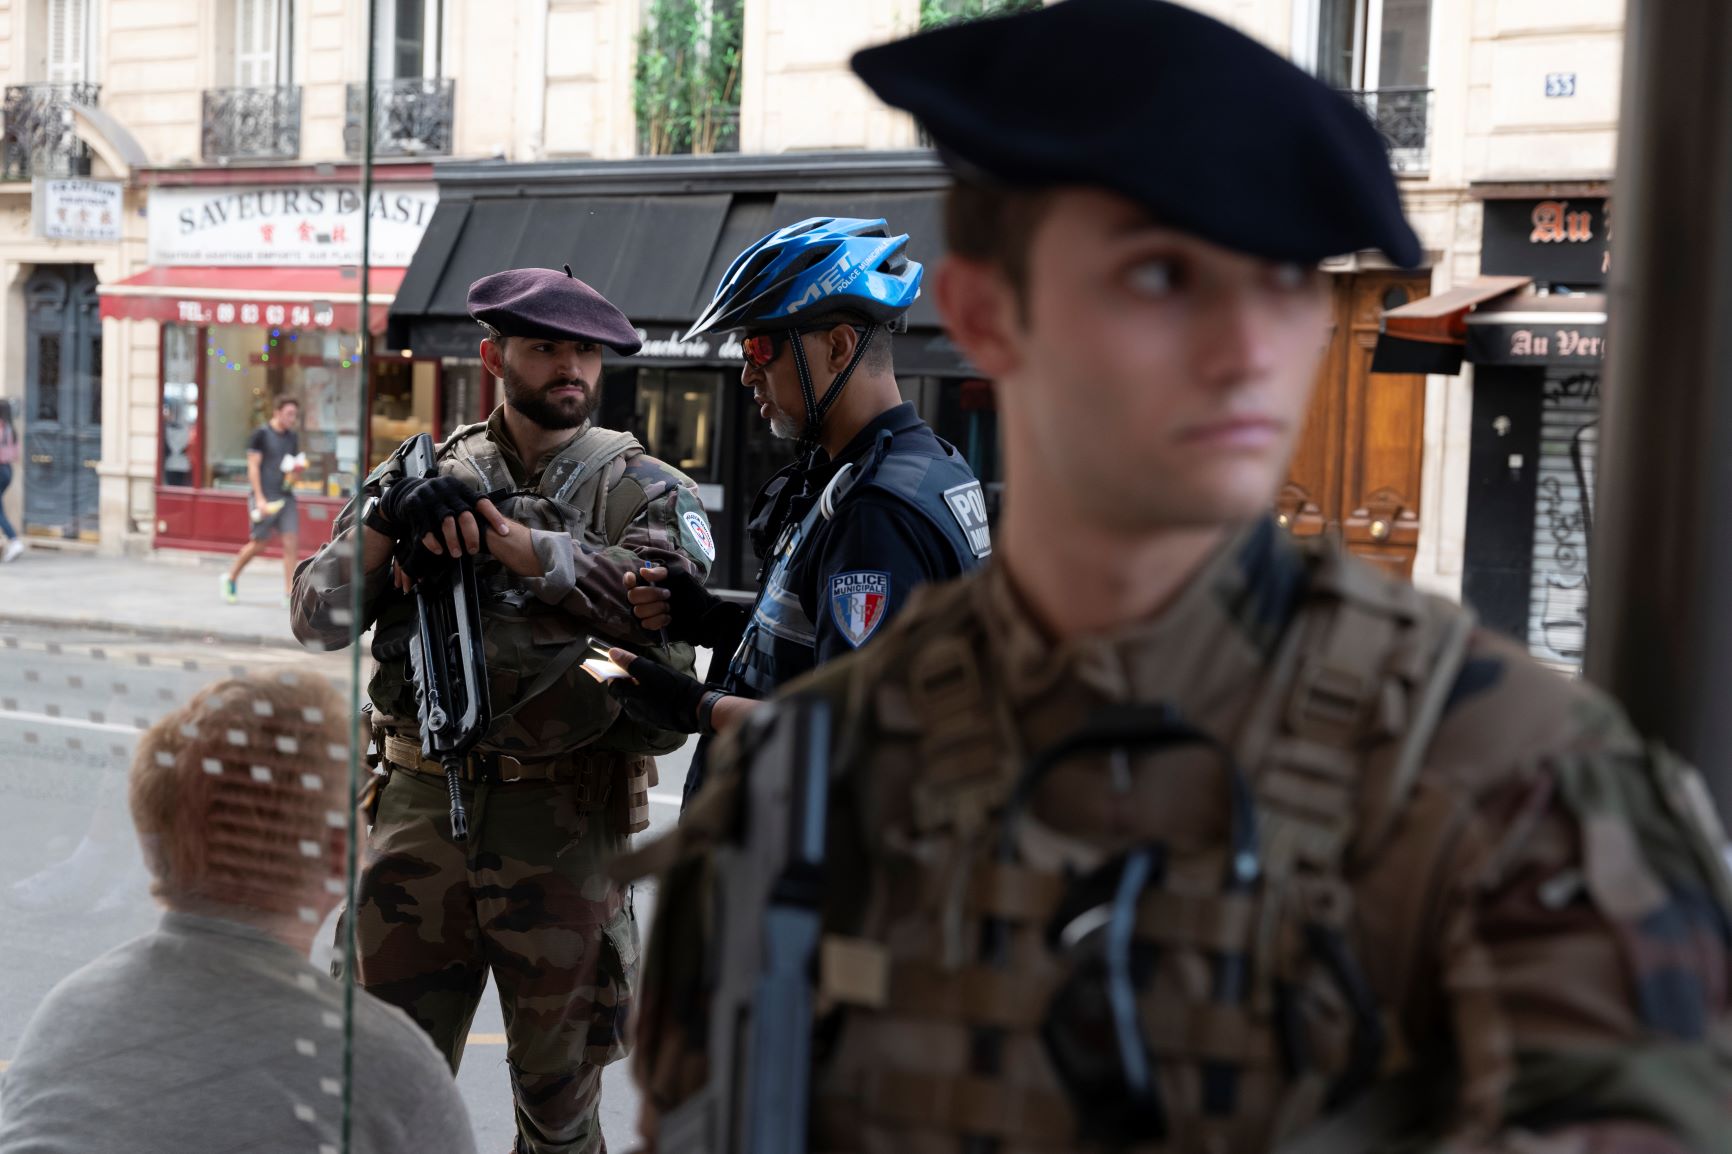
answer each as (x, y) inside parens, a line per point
(1430, 335)
(646, 254)
(658, 256)
(295, 297)
(1535, 330)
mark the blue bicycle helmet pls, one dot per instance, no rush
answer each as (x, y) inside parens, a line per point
(816, 268)
(797, 276)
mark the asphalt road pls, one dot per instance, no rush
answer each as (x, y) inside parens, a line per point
(72, 883)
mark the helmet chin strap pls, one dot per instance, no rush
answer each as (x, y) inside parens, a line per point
(816, 409)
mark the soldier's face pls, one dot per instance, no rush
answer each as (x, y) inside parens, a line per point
(556, 384)
(1153, 378)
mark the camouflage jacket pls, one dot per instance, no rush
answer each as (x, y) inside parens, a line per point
(642, 511)
(1531, 908)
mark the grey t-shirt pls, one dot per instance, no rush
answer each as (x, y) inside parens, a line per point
(209, 1036)
(273, 446)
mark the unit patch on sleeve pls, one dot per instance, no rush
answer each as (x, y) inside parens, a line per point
(699, 530)
(968, 505)
(857, 604)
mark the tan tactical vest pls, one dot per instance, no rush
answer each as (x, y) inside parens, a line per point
(543, 704)
(1332, 745)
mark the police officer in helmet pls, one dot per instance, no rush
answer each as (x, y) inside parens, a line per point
(874, 505)
(1164, 831)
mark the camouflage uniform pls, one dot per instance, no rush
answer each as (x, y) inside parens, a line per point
(1473, 871)
(557, 785)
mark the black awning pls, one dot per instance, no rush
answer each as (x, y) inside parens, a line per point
(919, 214)
(647, 254)
(657, 256)
(1536, 330)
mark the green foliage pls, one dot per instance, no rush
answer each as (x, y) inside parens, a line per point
(687, 92)
(938, 13)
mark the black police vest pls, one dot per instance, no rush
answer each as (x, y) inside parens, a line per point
(928, 477)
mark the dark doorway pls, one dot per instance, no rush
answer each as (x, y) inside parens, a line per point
(63, 402)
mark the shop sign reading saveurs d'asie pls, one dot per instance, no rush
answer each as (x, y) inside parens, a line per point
(298, 225)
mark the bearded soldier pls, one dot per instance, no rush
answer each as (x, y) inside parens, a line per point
(558, 511)
(1164, 831)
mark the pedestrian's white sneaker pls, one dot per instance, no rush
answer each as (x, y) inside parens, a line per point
(14, 549)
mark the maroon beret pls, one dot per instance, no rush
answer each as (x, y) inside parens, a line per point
(553, 305)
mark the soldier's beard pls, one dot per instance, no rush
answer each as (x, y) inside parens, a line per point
(535, 403)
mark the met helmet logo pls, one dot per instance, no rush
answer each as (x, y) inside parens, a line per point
(845, 273)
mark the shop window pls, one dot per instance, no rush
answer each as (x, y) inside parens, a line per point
(246, 368)
(676, 417)
(403, 400)
(463, 395)
(181, 458)
(967, 417)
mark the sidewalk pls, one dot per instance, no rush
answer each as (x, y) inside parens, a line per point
(169, 594)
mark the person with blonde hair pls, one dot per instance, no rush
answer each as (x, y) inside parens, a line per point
(213, 1031)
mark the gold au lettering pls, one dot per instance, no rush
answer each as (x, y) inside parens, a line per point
(1548, 222)
(1523, 343)
(1554, 223)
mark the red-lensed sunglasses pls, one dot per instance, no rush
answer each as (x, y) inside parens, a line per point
(762, 348)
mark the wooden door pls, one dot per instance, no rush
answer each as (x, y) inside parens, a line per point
(1356, 471)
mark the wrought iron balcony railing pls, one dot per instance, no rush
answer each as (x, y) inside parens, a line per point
(38, 139)
(1403, 116)
(410, 118)
(252, 123)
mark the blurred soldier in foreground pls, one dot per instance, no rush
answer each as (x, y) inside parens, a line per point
(213, 1032)
(561, 510)
(1164, 832)
(874, 506)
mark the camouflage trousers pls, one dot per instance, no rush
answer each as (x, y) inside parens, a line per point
(528, 900)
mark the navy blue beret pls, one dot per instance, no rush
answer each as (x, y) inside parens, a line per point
(1208, 130)
(553, 305)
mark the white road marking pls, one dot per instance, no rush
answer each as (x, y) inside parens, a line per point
(72, 722)
(658, 798)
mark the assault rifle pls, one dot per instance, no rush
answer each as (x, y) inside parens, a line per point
(769, 889)
(446, 660)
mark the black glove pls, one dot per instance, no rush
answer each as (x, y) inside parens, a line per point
(416, 506)
(663, 698)
(700, 617)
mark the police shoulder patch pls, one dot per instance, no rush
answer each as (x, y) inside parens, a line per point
(967, 503)
(698, 529)
(859, 601)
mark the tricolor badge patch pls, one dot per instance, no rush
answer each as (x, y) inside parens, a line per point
(857, 604)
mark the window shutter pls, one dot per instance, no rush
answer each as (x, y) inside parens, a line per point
(68, 34)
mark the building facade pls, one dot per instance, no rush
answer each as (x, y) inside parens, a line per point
(137, 344)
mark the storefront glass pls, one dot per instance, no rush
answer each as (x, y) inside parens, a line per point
(221, 382)
(465, 394)
(679, 411)
(401, 402)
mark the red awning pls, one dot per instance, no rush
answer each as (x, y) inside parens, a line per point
(1430, 334)
(297, 297)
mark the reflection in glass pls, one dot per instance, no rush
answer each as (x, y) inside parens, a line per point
(212, 1029)
(247, 368)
